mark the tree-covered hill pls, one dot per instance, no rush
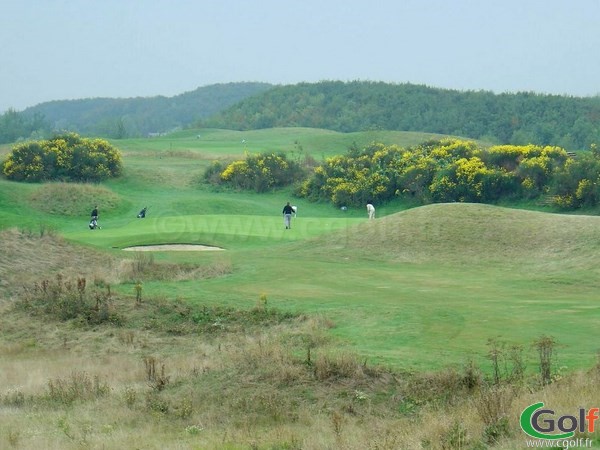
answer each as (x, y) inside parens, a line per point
(572, 123)
(519, 118)
(132, 117)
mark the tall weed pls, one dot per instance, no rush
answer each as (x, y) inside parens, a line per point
(77, 387)
(65, 299)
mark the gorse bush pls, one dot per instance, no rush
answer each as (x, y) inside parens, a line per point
(66, 157)
(452, 170)
(446, 170)
(578, 184)
(259, 172)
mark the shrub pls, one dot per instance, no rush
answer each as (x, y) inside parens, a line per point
(447, 170)
(212, 174)
(65, 157)
(260, 172)
(577, 183)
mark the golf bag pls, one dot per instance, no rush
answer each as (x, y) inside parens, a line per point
(94, 224)
(142, 213)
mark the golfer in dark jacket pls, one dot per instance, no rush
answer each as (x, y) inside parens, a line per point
(94, 219)
(287, 216)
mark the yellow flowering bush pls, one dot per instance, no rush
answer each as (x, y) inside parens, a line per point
(528, 184)
(236, 168)
(66, 157)
(344, 193)
(443, 189)
(441, 170)
(451, 149)
(261, 172)
(578, 180)
(505, 156)
(587, 192)
(566, 201)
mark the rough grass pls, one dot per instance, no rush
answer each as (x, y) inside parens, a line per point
(29, 256)
(26, 256)
(74, 199)
(93, 389)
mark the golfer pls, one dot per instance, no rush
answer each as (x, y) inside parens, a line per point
(287, 216)
(94, 219)
(370, 210)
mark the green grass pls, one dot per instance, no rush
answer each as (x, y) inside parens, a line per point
(422, 288)
(425, 303)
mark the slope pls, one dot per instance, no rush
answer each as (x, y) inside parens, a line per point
(472, 234)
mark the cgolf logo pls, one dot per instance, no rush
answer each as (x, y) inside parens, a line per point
(563, 427)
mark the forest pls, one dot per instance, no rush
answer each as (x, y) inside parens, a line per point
(522, 118)
(118, 118)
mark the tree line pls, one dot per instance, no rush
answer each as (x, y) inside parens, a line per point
(118, 118)
(518, 118)
(572, 123)
(15, 126)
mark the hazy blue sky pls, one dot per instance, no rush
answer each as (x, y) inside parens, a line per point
(68, 49)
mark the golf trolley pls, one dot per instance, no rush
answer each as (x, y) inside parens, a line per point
(94, 224)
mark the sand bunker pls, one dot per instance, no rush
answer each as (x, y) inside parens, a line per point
(172, 248)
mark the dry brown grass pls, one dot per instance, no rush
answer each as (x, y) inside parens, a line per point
(28, 256)
(248, 391)
(143, 267)
(230, 390)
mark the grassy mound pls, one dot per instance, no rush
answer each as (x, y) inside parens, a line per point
(27, 257)
(73, 199)
(471, 234)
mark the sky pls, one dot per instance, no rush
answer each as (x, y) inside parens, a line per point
(73, 49)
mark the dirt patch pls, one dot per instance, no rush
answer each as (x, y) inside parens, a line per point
(172, 248)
